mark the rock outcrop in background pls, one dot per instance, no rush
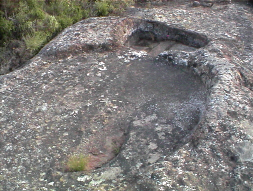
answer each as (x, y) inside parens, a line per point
(159, 100)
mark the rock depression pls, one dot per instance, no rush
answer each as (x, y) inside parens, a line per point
(156, 105)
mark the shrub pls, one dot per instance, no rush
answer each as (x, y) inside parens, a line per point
(32, 4)
(102, 8)
(115, 7)
(77, 163)
(52, 24)
(64, 21)
(28, 17)
(36, 40)
(37, 13)
(38, 21)
(23, 23)
(118, 6)
(67, 12)
(6, 28)
(9, 7)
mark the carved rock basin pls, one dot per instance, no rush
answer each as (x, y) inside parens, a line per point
(101, 89)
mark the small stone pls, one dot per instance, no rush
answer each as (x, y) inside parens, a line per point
(207, 4)
(51, 183)
(152, 146)
(196, 4)
(153, 158)
(108, 110)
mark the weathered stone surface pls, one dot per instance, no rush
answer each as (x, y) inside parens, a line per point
(181, 119)
(14, 56)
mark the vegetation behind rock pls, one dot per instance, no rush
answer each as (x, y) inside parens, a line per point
(27, 25)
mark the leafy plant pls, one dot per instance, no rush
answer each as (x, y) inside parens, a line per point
(77, 163)
(6, 28)
(114, 7)
(102, 8)
(36, 40)
(118, 6)
(36, 22)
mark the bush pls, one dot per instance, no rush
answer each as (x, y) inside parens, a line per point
(30, 18)
(36, 40)
(23, 23)
(117, 7)
(52, 24)
(64, 21)
(102, 8)
(37, 13)
(6, 28)
(8, 7)
(37, 21)
(106, 7)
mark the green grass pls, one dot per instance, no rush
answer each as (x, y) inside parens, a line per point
(77, 163)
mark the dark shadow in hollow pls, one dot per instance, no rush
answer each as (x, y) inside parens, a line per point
(158, 31)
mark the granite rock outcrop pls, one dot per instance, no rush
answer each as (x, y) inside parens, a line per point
(160, 100)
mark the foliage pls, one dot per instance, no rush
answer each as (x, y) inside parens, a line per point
(77, 163)
(102, 8)
(118, 6)
(106, 7)
(36, 40)
(37, 21)
(30, 19)
(67, 12)
(6, 27)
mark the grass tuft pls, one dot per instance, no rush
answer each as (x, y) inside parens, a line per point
(77, 163)
(35, 41)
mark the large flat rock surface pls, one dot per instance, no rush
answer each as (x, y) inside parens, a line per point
(160, 99)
